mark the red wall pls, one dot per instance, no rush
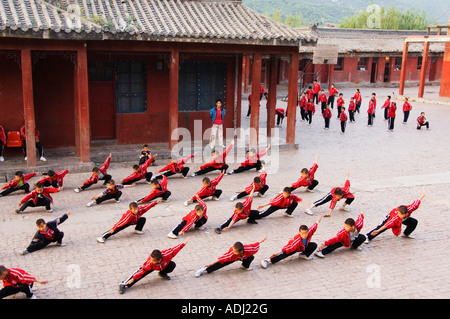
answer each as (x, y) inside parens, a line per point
(445, 81)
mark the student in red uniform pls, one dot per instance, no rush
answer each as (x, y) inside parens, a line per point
(40, 196)
(133, 216)
(238, 251)
(241, 211)
(422, 121)
(351, 109)
(371, 112)
(332, 92)
(16, 280)
(343, 118)
(386, 106)
(259, 185)
(310, 93)
(218, 162)
(20, 182)
(196, 217)
(340, 103)
(2, 143)
(311, 109)
(209, 189)
(316, 90)
(280, 114)
(54, 179)
(98, 173)
(358, 100)
(46, 234)
(327, 116)
(159, 260)
(37, 141)
(349, 237)
(253, 160)
(374, 98)
(139, 173)
(391, 115)
(286, 200)
(323, 100)
(301, 243)
(307, 178)
(176, 166)
(159, 190)
(407, 107)
(302, 104)
(335, 195)
(395, 219)
(112, 192)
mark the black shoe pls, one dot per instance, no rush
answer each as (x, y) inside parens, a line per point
(122, 288)
(165, 277)
(218, 230)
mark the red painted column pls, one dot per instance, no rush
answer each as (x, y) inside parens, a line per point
(330, 75)
(445, 75)
(256, 89)
(403, 70)
(173, 96)
(423, 71)
(82, 107)
(28, 106)
(273, 75)
(292, 98)
(246, 68)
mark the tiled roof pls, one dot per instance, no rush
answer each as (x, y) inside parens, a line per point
(222, 21)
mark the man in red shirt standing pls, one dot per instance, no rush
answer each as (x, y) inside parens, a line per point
(217, 114)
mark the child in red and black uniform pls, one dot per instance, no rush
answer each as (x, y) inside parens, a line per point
(340, 103)
(54, 179)
(422, 121)
(285, 200)
(301, 243)
(252, 161)
(259, 185)
(133, 216)
(348, 237)
(395, 219)
(307, 178)
(302, 104)
(159, 260)
(406, 110)
(139, 173)
(40, 196)
(238, 251)
(335, 195)
(217, 163)
(176, 166)
(327, 116)
(316, 90)
(371, 112)
(20, 182)
(323, 100)
(280, 114)
(391, 115)
(386, 106)
(159, 190)
(352, 109)
(47, 233)
(209, 189)
(196, 217)
(16, 280)
(98, 173)
(37, 141)
(331, 94)
(343, 118)
(358, 100)
(311, 109)
(112, 192)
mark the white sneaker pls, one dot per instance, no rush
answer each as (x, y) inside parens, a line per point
(233, 198)
(245, 268)
(409, 236)
(230, 172)
(308, 211)
(91, 203)
(172, 235)
(193, 175)
(344, 208)
(288, 215)
(358, 248)
(138, 232)
(61, 245)
(309, 190)
(43, 159)
(2, 159)
(25, 158)
(100, 239)
(318, 253)
(33, 297)
(186, 203)
(76, 190)
(261, 195)
(215, 198)
(303, 256)
(23, 251)
(200, 272)
(117, 200)
(265, 263)
(367, 240)
(49, 210)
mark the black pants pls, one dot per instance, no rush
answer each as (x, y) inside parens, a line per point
(391, 123)
(222, 169)
(139, 226)
(42, 201)
(10, 290)
(339, 108)
(303, 114)
(105, 178)
(240, 169)
(261, 191)
(37, 245)
(2, 147)
(198, 223)
(420, 125)
(314, 183)
(7, 191)
(358, 105)
(216, 194)
(273, 209)
(343, 125)
(323, 106)
(331, 101)
(310, 115)
(309, 249)
(245, 262)
(386, 112)
(355, 244)
(169, 268)
(38, 147)
(148, 178)
(370, 119)
(351, 115)
(108, 196)
(405, 116)
(316, 98)
(183, 172)
(327, 122)
(411, 224)
(253, 215)
(328, 197)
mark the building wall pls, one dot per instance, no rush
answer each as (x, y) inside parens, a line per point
(445, 81)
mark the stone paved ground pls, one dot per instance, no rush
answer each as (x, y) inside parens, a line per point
(387, 169)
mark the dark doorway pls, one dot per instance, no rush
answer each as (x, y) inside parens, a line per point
(373, 72)
(387, 68)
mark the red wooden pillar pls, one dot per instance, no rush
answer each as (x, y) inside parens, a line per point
(173, 96)
(273, 75)
(82, 107)
(423, 71)
(256, 89)
(292, 98)
(403, 70)
(246, 69)
(330, 75)
(28, 106)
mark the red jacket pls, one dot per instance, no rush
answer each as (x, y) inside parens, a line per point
(316, 88)
(177, 166)
(392, 109)
(309, 94)
(59, 177)
(155, 192)
(303, 102)
(34, 195)
(407, 107)
(344, 236)
(327, 113)
(131, 219)
(17, 277)
(280, 201)
(22, 133)
(340, 101)
(386, 104)
(296, 243)
(333, 91)
(14, 183)
(323, 98)
(252, 160)
(249, 250)
(308, 180)
(351, 106)
(262, 177)
(346, 194)
(357, 97)
(395, 222)
(192, 216)
(142, 171)
(343, 117)
(311, 107)
(2, 135)
(167, 256)
(220, 160)
(103, 169)
(211, 189)
(371, 109)
(245, 212)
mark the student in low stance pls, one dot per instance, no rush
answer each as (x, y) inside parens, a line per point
(113, 191)
(259, 185)
(16, 280)
(218, 162)
(46, 234)
(176, 166)
(40, 196)
(54, 179)
(98, 173)
(286, 200)
(209, 189)
(139, 173)
(159, 260)
(196, 217)
(159, 189)
(253, 160)
(20, 182)
(422, 121)
(238, 251)
(307, 178)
